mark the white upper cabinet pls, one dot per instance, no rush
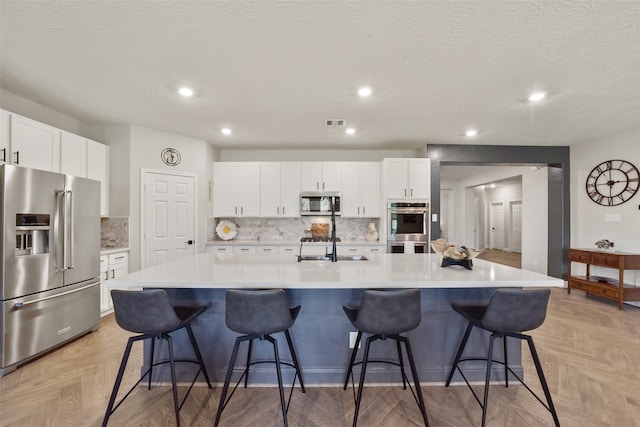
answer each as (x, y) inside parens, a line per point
(5, 136)
(322, 176)
(280, 189)
(236, 189)
(73, 154)
(97, 166)
(407, 178)
(360, 190)
(34, 144)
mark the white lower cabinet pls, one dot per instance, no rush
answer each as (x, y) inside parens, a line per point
(245, 249)
(112, 266)
(219, 249)
(268, 249)
(289, 249)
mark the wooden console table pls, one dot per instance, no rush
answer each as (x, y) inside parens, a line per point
(604, 286)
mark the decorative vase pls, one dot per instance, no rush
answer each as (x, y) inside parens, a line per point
(371, 234)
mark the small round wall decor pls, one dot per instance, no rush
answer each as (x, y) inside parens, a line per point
(170, 156)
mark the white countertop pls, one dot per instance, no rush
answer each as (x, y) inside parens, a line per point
(213, 270)
(235, 242)
(107, 251)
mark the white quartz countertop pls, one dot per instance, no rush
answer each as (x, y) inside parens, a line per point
(213, 270)
(235, 242)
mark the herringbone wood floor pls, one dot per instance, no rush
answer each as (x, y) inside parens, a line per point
(590, 351)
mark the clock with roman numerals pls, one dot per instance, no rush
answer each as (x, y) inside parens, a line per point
(613, 182)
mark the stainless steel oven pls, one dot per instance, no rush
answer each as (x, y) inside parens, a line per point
(408, 227)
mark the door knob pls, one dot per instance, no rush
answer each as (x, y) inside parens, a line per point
(189, 242)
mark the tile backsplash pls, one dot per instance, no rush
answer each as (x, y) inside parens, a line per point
(291, 229)
(114, 232)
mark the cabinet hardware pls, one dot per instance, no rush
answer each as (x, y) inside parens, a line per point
(17, 153)
(405, 192)
(4, 155)
(412, 192)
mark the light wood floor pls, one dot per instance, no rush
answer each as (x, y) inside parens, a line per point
(512, 259)
(590, 351)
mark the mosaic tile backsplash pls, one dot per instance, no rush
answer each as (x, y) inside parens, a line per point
(114, 232)
(290, 229)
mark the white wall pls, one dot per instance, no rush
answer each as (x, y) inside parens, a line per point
(588, 218)
(25, 107)
(533, 194)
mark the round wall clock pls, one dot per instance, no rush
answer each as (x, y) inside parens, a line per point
(170, 156)
(613, 182)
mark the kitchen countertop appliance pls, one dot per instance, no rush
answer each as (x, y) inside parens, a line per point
(408, 227)
(50, 261)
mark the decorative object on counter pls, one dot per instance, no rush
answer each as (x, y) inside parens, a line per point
(454, 255)
(371, 234)
(226, 230)
(319, 230)
(605, 245)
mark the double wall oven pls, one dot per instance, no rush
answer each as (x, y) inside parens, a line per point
(408, 227)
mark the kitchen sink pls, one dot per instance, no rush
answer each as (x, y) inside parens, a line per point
(328, 258)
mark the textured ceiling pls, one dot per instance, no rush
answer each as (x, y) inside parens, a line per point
(274, 71)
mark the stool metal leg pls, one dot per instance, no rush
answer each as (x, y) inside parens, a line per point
(401, 363)
(151, 357)
(487, 379)
(365, 360)
(173, 377)
(354, 352)
(274, 342)
(463, 344)
(416, 380)
(246, 369)
(506, 361)
(543, 381)
(116, 386)
(225, 388)
(294, 357)
(196, 350)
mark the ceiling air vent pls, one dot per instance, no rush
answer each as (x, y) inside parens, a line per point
(334, 123)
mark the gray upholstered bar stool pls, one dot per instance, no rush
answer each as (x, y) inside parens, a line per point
(508, 313)
(385, 315)
(151, 314)
(257, 315)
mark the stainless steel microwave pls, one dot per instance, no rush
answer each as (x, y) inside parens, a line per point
(319, 203)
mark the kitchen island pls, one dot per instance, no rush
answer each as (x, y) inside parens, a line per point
(321, 332)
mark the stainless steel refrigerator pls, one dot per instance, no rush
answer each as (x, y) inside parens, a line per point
(49, 261)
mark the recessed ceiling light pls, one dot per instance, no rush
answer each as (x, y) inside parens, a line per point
(364, 91)
(226, 131)
(471, 133)
(185, 91)
(350, 131)
(537, 96)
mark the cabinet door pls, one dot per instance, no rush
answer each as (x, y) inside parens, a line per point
(290, 188)
(34, 145)
(419, 179)
(332, 176)
(350, 206)
(369, 176)
(98, 169)
(396, 175)
(249, 189)
(270, 204)
(73, 155)
(105, 296)
(5, 136)
(225, 189)
(312, 176)
(219, 249)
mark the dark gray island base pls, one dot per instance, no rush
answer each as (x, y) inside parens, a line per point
(321, 337)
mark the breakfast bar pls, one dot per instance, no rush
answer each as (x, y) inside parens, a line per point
(322, 331)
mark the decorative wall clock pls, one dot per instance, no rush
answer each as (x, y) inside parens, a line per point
(170, 156)
(613, 182)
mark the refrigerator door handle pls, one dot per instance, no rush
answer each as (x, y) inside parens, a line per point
(20, 304)
(69, 235)
(59, 232)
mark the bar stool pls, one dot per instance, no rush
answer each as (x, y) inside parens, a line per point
(509, 313)
(151, 314)
(385, 315)
(257, 315)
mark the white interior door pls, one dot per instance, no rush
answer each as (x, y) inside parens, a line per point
(496, 224)
(516, 226)
(169, 217)
(476, 223)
